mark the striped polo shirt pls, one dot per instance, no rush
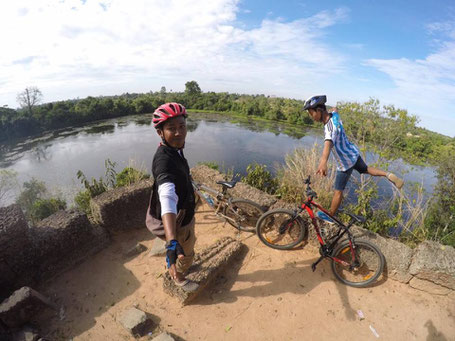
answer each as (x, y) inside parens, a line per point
(346, 153)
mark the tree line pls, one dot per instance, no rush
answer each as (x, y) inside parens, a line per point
(368, 121)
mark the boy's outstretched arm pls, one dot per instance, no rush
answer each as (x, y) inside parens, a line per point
(322, 168)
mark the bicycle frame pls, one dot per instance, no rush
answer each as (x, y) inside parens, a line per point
(222, 199)
(327, 247)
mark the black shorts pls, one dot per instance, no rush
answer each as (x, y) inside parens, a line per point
(342, 177)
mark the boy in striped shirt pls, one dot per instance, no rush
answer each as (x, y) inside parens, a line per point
(346, 153)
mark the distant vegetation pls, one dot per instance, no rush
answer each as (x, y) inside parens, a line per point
(366, 121)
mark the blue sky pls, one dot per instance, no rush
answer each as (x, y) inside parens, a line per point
(400, 52)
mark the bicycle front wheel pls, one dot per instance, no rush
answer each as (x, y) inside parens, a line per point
(281, 229)
(361, 272)
(243, 214)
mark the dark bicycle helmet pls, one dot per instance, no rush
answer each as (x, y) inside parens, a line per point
(167, 111)
(314, 101)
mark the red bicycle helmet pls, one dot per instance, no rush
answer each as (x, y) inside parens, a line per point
(167, 111)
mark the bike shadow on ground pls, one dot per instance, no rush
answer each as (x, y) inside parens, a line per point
(295, 277)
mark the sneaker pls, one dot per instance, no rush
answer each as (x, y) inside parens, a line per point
(187, 285)
(321, 215)
(395, 180)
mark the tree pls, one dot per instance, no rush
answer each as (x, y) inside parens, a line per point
(8, 182)
(192, 89)
(30, 97)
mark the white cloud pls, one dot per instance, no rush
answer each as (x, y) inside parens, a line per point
(426, 86)
(73, 48)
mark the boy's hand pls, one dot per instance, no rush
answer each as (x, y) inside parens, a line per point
(174, 251)
(322, 169)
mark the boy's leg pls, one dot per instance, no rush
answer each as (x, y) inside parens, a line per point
(361, 167)
(390, 176)
(336, 201)
(187, 239)
(376, 172)
(341, 180)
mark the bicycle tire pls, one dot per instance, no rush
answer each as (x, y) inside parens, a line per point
(275, 231)
(370, 268)
(245, 214)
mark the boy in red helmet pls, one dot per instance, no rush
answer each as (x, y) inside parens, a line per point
(346, 153)
(172, 202)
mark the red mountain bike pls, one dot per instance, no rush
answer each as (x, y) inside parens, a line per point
(357, 263)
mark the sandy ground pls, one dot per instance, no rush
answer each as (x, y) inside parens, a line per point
(265, 295)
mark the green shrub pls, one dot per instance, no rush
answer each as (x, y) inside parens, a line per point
(36, 202)
(210, 164)
(128, 176)
(43, 208)
(82, 200)
(33, 190)
(259, 177)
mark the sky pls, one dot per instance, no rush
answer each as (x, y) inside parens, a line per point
(399, 52)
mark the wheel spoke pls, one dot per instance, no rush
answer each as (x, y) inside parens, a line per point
(281, 229)
(367, 269)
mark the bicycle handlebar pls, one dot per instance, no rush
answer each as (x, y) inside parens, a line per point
(309, 191)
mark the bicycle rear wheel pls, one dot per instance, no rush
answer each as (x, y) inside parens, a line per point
(243, 214)
(368, 269)
(281, 229)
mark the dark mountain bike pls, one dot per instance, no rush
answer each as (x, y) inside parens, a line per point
(357, 263)
(243, 214)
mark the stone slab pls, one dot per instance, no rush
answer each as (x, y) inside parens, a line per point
(430, 287)
(435, 263)
(14, 244)
(27, 333)
(206, 266)
(163, 337)
(135, 250)
(209, 177)
(137, 322)
(158, 248)
(398, 256)
(122, 208)
(63, 240)
(21, 306)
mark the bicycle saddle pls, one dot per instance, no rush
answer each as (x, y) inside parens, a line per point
(228, 184)
(358, 218)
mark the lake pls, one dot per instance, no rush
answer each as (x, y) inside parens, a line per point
(233, 143)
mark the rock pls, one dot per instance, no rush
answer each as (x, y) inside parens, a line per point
(135, 321)
(27, 333)
(209, 177)
(398, 256)
(21, 306)
(163, 337)
(135, 250)
(14, 249)
(122, 208)
(207, 264)
(428, 286)
(63, 240)
(158, 247)
(435, 263)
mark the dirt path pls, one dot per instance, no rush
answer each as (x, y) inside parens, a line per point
(266, 295)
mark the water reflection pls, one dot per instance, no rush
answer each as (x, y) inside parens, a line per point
(234, 143)
(102, 129)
